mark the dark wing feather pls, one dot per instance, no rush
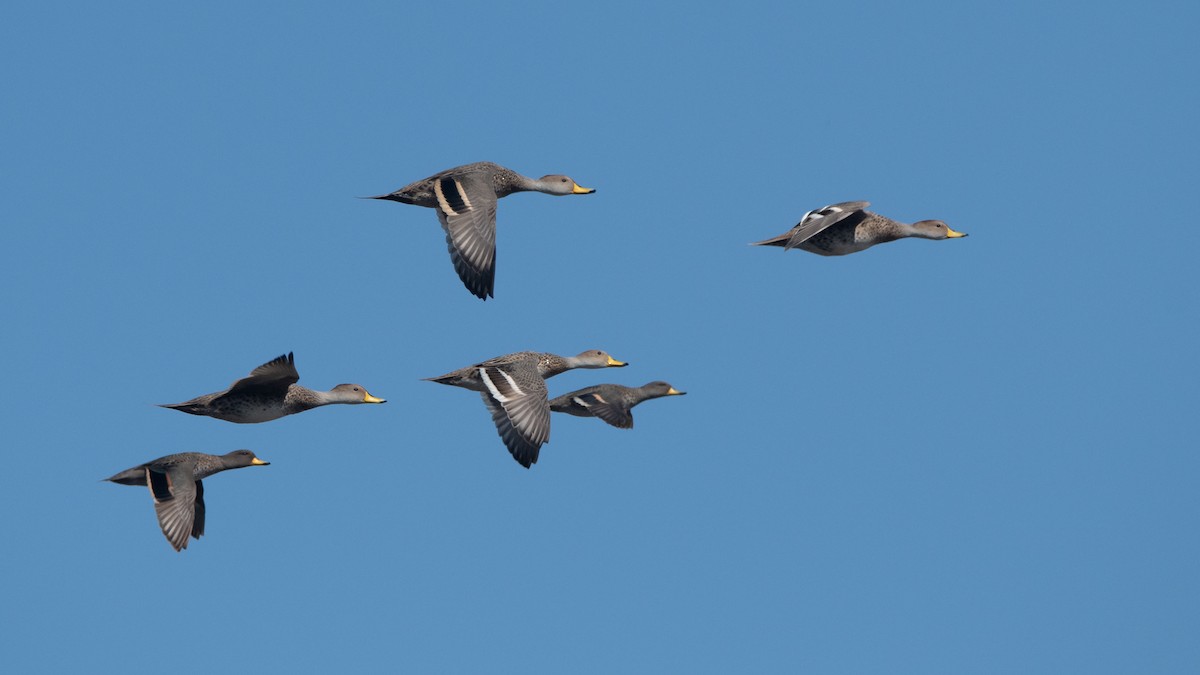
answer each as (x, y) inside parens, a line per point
(817, 221)
(467, 211)
(613, 412)
(198, 523)
(274, 376)
(174, 496)
(567, 404)
(522, 450)
(516, 398)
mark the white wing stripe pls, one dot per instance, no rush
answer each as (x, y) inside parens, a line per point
(463, 194)
(512, 383)
(495, 391)
(441, 198)
(487, 381)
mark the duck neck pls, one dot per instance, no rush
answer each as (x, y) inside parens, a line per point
(559, 364)
(302, 398)
(893, 230)
(638, 395)
(515, 182)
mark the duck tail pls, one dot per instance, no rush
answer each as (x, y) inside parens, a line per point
(781, 240)
(394, 197)
(134, 476)
(189, 408)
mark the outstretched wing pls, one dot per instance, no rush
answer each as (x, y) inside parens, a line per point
(817, 221)
(274, 376)
(516, 397)
(612, 412)
(466, 208)
(179, 504)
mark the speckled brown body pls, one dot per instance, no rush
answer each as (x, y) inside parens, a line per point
(612, 403)
(203, 465)
(420, 193)
(857, 233)
(847, 227)
(251, 408)
(268, 393)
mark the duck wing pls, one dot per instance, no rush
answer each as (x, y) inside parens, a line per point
(516, 397)
(272, 377)
(466, 208)
(178, 503)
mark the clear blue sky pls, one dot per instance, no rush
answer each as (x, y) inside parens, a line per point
(969, 456)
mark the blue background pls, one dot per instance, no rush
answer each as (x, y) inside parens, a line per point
(936, 457)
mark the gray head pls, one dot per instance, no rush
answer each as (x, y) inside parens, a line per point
(934, 229)
(595, 358)
(240, 458)
(352, 393)
(557, 184)
(659, 388)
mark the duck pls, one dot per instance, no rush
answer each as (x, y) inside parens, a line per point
(612, 403)
(465, 200)
(176, 487)
(847, 227)
(268, 393)
(513, 387)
